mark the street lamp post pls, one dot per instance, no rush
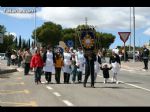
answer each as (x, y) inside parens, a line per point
(130, 31)
(35, 27)
(134, 34)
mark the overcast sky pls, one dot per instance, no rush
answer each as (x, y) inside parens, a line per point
(105, 19)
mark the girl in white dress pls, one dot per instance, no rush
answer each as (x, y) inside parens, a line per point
(97, 64)
(48, 64)
(116, 64)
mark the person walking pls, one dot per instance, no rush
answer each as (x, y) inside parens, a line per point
(58, 65)
(67, 65)
(89, 68)
(97, 64)
(8, 56)
(37, 63)
(48, 58)
(116, 64)
(27, 59)
(105, 70)
(20, 56)
(80, 62)
(145, 56)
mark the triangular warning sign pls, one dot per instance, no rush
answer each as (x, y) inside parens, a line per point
(124, 36)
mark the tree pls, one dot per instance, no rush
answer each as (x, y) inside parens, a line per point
(20, 42)
(24, 44)
(28, 43)
(68, 34)
(2, 29)
(7, 44)
(48, 33)
(7, 40)
(105, 39)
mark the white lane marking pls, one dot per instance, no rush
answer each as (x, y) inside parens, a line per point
(48, 87)
(133, 85)
(136, 86)
(68, 103)
(127, 70)
(56, 93)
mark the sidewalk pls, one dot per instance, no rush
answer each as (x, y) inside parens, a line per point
(133, 65)
(7, 69)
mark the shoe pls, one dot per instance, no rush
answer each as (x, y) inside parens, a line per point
(117, 82)
(84, 85)
(92, 86)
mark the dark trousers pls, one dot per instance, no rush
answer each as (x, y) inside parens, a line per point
(145, 63)
(57, 74)
(89, 70)
(66, 77)
(26, 68)
(79, 75)
(48, 76)
(38, 73)
(8, 61)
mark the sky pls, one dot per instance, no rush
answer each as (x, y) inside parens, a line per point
(21, 20)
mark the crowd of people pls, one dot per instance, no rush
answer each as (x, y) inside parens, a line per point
(73, 63)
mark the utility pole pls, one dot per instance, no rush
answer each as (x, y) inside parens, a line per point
(134, 34)
(86, 21)
(130, 31)
(35, 28)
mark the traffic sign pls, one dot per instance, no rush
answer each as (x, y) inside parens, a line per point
(124, 36)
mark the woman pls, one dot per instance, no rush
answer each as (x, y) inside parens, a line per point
(48, 58)
(116, 64)
(67, 65)
(37, 64)
(97, 64)
(80, 62)
(27, 59)
(58, 65)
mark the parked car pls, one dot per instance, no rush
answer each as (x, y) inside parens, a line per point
(2, 56)
(130, 54)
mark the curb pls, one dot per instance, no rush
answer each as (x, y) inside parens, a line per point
(8, 71)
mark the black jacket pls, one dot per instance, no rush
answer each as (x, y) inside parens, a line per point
(114, 59)
(145, 53)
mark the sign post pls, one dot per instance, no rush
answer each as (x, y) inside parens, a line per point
(124, 37)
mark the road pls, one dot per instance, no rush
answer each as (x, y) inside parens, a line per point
(19, 90)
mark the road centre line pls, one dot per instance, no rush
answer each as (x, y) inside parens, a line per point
(48, 87)
(134, 85)
(67, 103)
(56, 93)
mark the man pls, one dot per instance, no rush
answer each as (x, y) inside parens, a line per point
(89, 68)
(145, 55)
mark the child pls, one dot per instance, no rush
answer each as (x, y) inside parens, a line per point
(105, 70)
(37, 63)
(74, 71)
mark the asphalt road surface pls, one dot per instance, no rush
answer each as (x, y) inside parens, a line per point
(19, 90)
